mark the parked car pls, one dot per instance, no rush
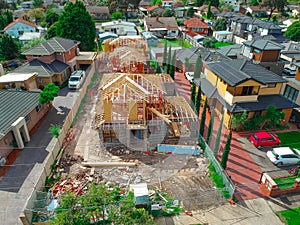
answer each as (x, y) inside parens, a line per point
(289, 71)
(261, 139)
(76, 79)
(284, 156)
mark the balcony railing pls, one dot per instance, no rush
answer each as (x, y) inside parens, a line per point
(231, 99)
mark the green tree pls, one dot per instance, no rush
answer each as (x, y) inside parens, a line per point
(193, 94)
(49, 93)
(51, 31)
(209, 14)
(51, 17)
(158, 69)
(36, 15)
(199, 3)
(293, 31)
(238, 120)
(76, 23)
(254, 2)
(215, 3)
(218, 137)
(220, 24)
(274, 4)
(226, 151)
(187, 64)
(210, 127)
(190, 12)
(6, 17)
(37, 3)
(198, 67)
(209, 42)
(117, 15)
(272, 117)
(55, 130)
(164, 62)
(203, 118)
(168, 13)
(32, 43)
(173, 66)
(169, 59)
(9, 48)
(198, 99)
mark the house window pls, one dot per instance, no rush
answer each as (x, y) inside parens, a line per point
(247, 90)
(40, 80)
(256, 50)
(38, 108)
(27, 118)
(291, 93)
(271, 85)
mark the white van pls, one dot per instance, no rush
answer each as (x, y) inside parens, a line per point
(76, 79)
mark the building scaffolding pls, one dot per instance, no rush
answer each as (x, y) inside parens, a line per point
(136, 110)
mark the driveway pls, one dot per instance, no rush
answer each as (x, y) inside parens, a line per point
(17, 183)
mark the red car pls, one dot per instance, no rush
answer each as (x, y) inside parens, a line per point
(261, 139)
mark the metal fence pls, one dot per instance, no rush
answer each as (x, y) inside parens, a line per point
(228, 185)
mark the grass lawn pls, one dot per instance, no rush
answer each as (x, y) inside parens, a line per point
(290, 216)
(221, 44)
(177, 43)
(290, 139)
(286, 182)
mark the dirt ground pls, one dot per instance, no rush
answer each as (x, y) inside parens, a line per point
(183, 177)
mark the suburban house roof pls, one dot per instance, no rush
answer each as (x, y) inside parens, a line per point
(195, 23)
(51, 46)
(118, 22)
(161, 22)
(262, 102)
(263, 44)
(193, 53)
(98, 9)
(204, 8)
(231, 50)
(153, 7)
(16, 77)
(237, 71)
(258, 9)
(43, 69)
(20, 21)
(17, 104)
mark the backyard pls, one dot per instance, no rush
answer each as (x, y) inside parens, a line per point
(290, 216)
(177, 43)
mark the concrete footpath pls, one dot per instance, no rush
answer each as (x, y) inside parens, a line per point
(249, 212)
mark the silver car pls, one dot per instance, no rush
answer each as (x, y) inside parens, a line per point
(284, 156)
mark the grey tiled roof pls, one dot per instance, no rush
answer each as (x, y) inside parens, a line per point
(231, 50)
(43, 69)
(17, 104)
(238, 71)
(51, 46)
(263, 101)
(263, 44)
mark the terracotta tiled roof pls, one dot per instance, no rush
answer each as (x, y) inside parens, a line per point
(153, 7)
(20, 21)
(195, 23)
(98, 9)
(161, 22)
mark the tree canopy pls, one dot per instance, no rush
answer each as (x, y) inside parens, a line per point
(220, 24)
(49, 93)
(274, 4)
(76, 23)
(6, 17)
(168, 13)
(9, 48)
(51, 17)
(293, 31)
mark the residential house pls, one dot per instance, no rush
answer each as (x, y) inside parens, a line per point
(140, 111)
(98, 12)
(19, 118)
(257, 11)
(54, 60)
(28, 36)
(223, 36)
(290, 54)
(233, 2)
(167, 3)
(19, 81)
(295, 12)
(106, 35)
(162, 26)
(180, 11)
(151, 39)
(155, 10)
(202, 10)
(264, 52)
(239, 9)
(291, 89)
(145, 4)
(231, 51)
(239, 85)
(196, 25)
(120, 27)
(27, 5)
(18, 27)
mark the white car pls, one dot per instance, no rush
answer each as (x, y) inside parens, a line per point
(284, 156)
(76, 79)
(289, 71)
